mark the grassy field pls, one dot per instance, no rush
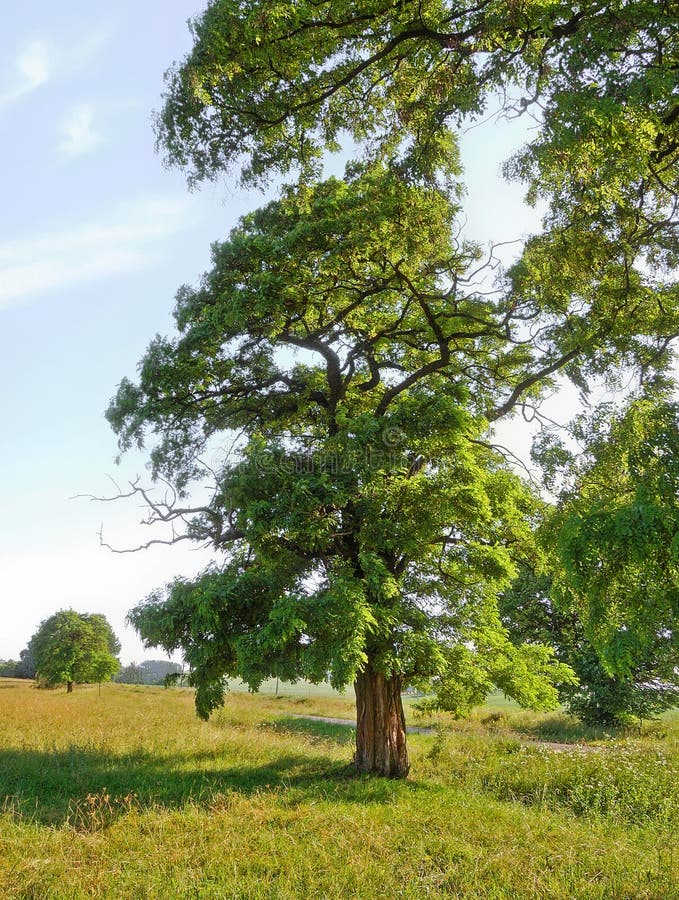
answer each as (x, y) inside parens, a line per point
(128, 795)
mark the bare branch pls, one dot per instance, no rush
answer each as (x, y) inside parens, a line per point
(509, 455)
(169, 542)
(220, 531)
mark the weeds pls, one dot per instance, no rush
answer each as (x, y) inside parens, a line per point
(97, 811)
(639, 788)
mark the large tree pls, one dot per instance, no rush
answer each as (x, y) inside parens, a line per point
(71, 648)
(343, 336)
(368, 522)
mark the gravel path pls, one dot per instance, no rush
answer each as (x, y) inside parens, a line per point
(556, 746)
(350, 723)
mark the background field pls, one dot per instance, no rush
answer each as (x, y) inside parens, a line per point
(126, 794)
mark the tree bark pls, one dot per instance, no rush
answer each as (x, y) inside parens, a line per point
(380, 725)
(69, 687)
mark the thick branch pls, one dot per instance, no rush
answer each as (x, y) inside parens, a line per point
(525, 385)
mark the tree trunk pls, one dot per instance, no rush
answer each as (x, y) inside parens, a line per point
(69, 687)
(380, 725)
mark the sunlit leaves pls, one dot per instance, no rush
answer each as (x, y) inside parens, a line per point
(72, 647)
(341, 340)
(618, 534)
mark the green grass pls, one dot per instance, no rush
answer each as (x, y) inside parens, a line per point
(296, 689)
(128, 795)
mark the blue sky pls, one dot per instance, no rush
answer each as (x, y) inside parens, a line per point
(95, 238)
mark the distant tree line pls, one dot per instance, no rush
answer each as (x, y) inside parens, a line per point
(150, 671)
(24, 667)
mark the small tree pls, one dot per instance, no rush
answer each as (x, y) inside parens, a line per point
(71, 647)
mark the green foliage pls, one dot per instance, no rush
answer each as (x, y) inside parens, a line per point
(599, 697)
(71, 647)
(612, 608)
(270, 84)
(618, 534)
(651, 687)
(345, 339)
(528, 672)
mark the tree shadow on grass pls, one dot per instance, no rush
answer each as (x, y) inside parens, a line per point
(90, 789)
(563, 728)
(317, 732)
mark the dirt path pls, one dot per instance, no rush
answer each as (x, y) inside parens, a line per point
(350, 723)
(555, 746)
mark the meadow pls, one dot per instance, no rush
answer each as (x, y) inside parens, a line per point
(125, 793)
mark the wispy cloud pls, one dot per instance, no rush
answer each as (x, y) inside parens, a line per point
(79, 136)
(127, 240)
(30, 69)
(33, 63)
(39, 60)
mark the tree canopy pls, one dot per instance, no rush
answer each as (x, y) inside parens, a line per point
(72, 648)
(269, 85)
(618, 533)
(273, 83)
(347, 346)
(534, 611)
